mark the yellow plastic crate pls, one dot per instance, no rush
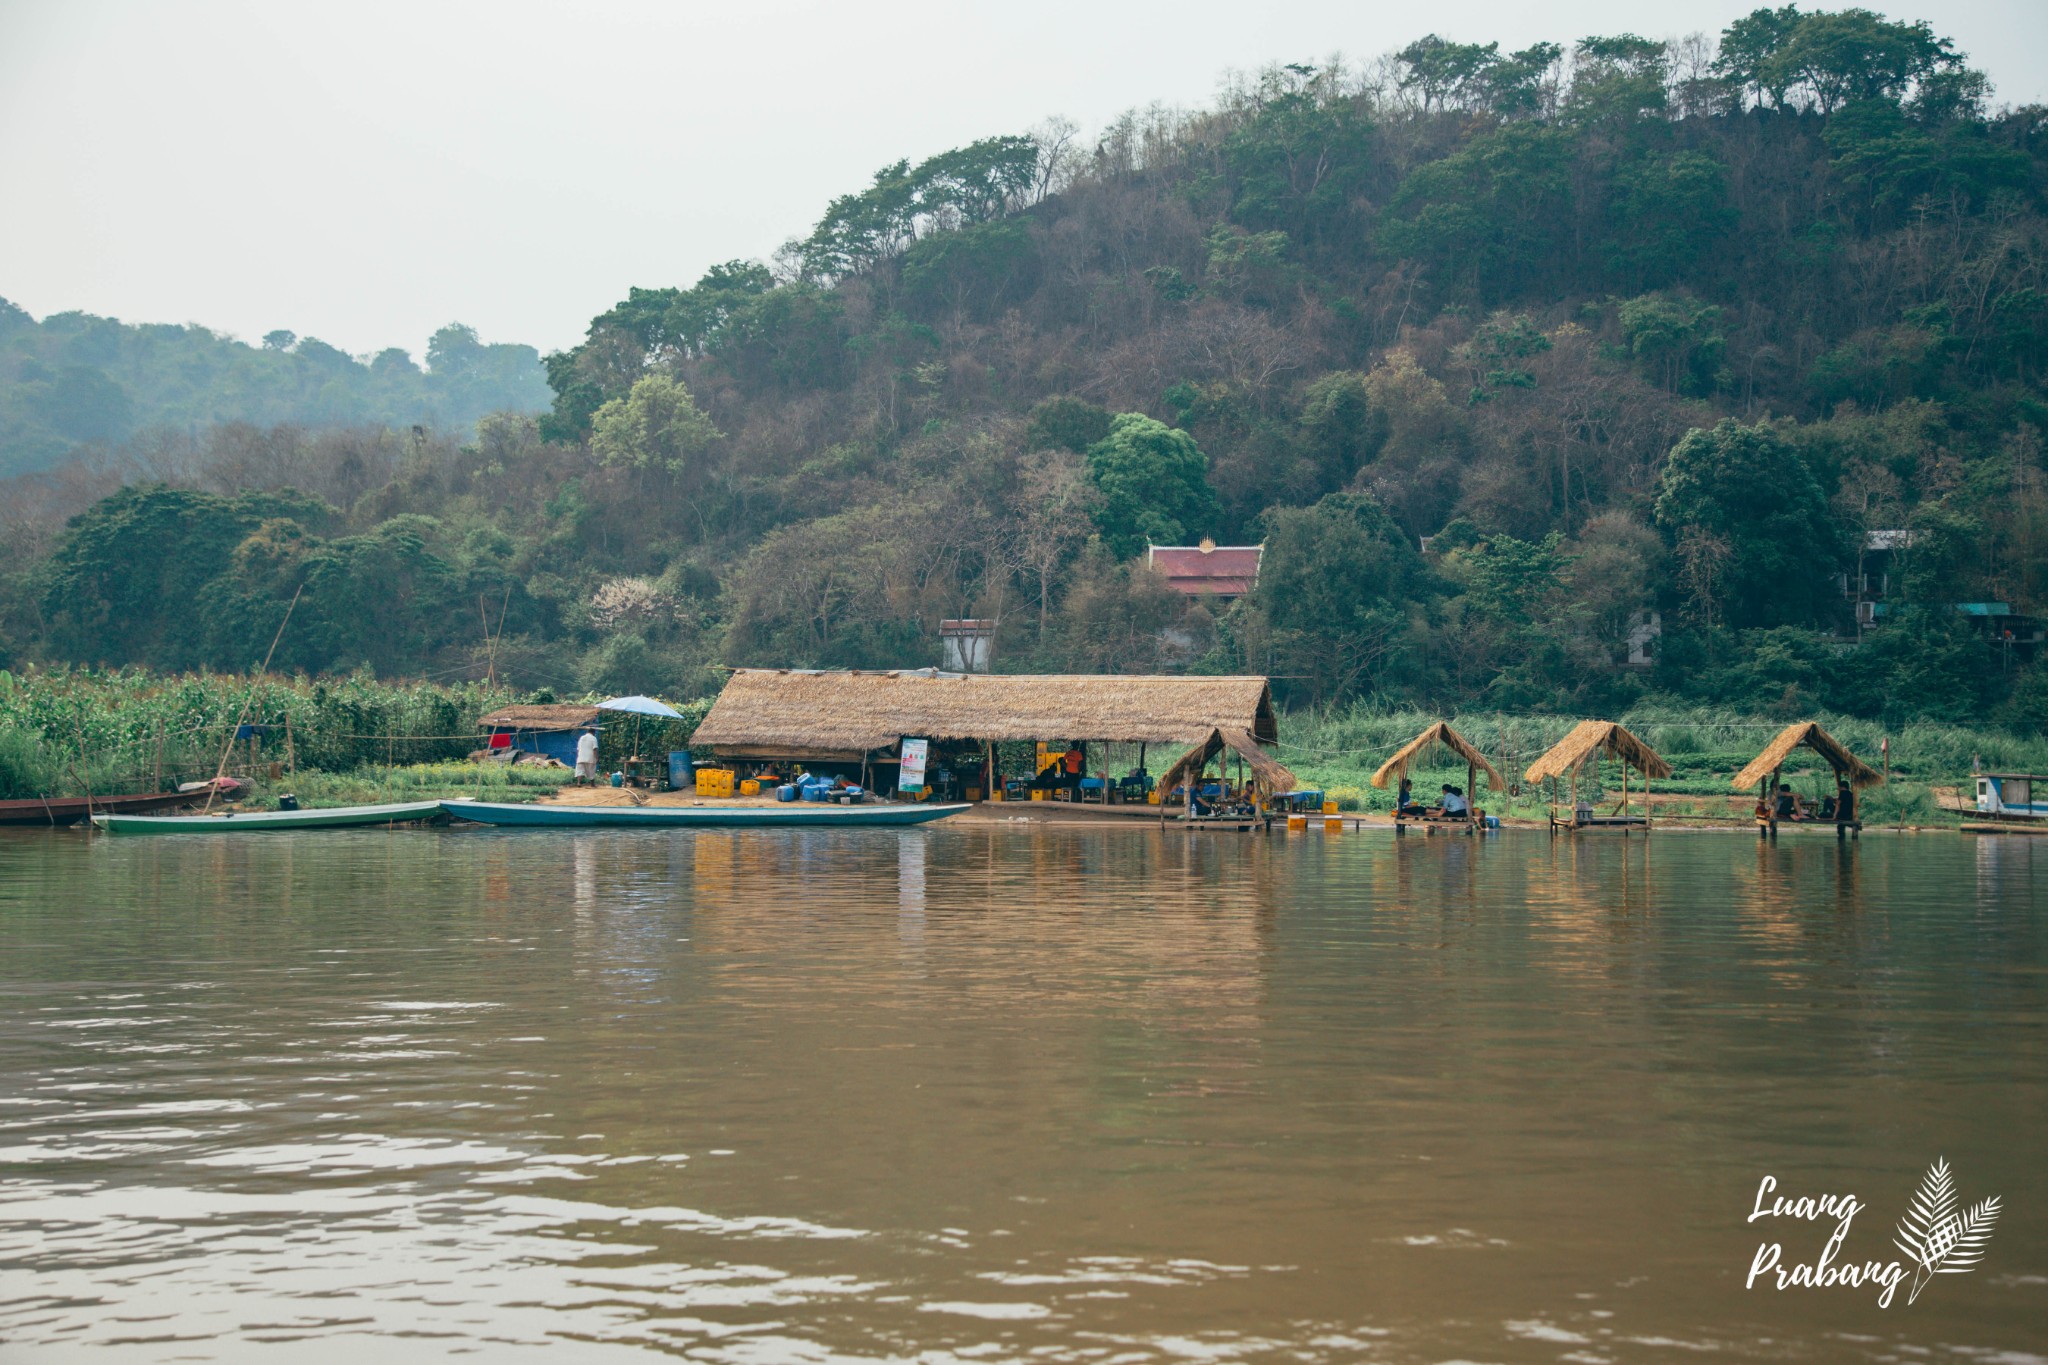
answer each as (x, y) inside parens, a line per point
(750, 787)
(714, 781)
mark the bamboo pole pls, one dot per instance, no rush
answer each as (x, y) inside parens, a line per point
(214, 790)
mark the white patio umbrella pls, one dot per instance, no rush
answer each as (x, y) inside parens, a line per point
(640, 706)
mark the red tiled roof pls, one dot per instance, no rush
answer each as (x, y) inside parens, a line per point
(1228, 570)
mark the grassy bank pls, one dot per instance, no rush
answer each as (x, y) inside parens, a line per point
(64, 732)
(356, 740)
(1339, 751)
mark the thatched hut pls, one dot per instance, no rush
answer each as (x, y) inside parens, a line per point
(1268, 777)
(844, 716)
(1440, 735)
(1588, 740)
(551, 730)
(1766, 769)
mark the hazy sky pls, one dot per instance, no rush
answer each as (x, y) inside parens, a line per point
(365, 172)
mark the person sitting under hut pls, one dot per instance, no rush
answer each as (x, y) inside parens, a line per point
(1453, 803)
(1789, 806)
(1404, 801)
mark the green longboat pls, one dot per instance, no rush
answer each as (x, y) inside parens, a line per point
(241, 822)
(787, 815)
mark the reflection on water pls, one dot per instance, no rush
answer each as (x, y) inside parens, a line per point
(987, 1093)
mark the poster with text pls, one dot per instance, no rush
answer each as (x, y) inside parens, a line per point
(911, 774)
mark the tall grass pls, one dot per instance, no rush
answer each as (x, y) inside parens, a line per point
(63, 731)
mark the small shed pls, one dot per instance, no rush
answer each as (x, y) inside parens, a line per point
(1586, 742)
(1439, 734)
(550, 730)
(1268, 775)
(1765, 769)
(1771, 761)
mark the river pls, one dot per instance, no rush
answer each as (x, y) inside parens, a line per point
(998, 1092)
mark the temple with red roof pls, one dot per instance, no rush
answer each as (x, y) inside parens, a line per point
(1208, 569)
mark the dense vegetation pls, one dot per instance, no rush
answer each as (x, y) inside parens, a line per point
(1619, 327)
(80, 731)
(77, 381)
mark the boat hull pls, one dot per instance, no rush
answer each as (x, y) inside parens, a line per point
(695, 817)
(69, 810)
(333, 817)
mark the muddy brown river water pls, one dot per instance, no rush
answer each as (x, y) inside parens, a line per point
(996, 1093)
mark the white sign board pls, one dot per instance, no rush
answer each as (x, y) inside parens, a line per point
(911, 774)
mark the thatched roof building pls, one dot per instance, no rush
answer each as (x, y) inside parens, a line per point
(551, 730)
(1272, 778)
(1438, 734)
(552, 717)
(1808, 733)
(838, 715)
(1587, 740)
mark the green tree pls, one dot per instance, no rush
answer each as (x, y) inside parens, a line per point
(1064, 422)
(124, 582)
(1677, 340)
(1749, 47)
(1493, 217)
(1154, 482)
(1750, 488)
(657, 426)
(1855, 54)
(1333, 593)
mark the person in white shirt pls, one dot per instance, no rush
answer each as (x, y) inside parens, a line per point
(1454, 802)
(586, 757)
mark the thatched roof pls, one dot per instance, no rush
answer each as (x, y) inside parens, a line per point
(789, 711)
(1439, 733)
(1810, 734)
(1587, 738)
(1271, 777)
(553, 717)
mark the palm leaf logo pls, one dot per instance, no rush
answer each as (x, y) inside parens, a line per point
(1937, 1239)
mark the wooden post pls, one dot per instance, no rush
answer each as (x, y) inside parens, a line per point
(1624, 793)
(159, 755)
(1771, 805)
(1471, 786)
(291, 754)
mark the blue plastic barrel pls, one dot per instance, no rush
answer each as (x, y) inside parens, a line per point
(681, 776)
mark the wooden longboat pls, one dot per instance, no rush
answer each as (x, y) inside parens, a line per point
(69, 810)
(242, 822)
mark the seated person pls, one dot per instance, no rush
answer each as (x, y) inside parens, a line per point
(1788, 805)
(1453, 803)
(1827, 809)
(1405, 803)
(1197, 806)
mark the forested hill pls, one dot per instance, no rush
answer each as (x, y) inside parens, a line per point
(1617, 326)
(75, 380)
